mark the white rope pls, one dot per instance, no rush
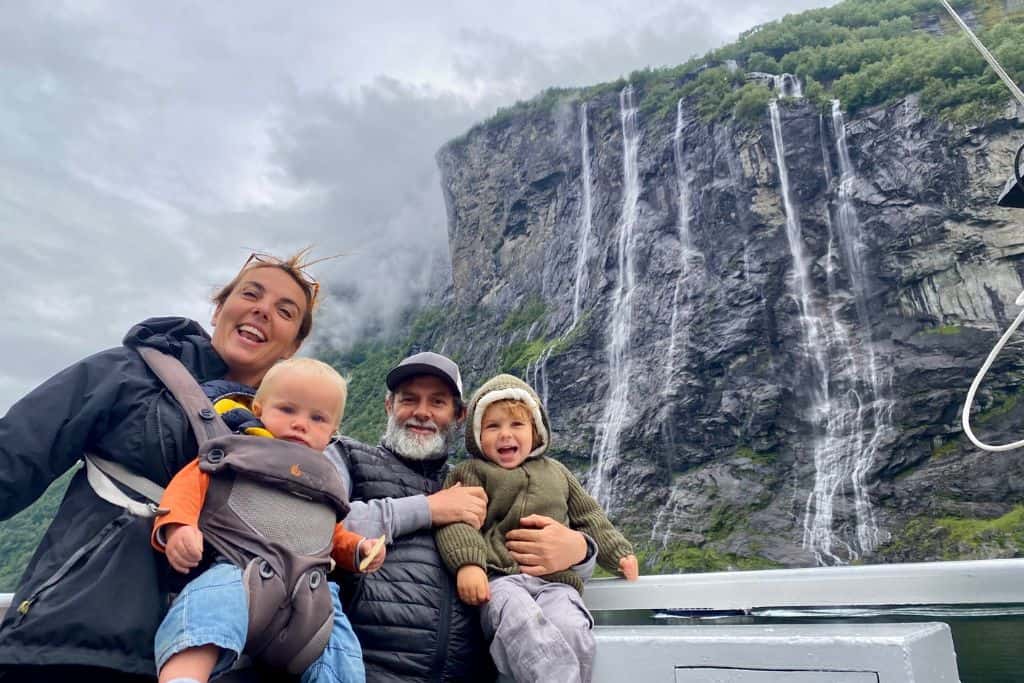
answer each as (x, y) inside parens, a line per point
(966, 417)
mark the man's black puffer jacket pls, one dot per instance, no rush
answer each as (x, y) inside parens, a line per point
(94, 591)
(407, 615)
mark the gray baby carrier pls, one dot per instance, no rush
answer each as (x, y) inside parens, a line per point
(271, 508)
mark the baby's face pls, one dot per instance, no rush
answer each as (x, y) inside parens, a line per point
(301, 409)
(506, 438)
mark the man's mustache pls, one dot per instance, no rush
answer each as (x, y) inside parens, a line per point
(414, 422)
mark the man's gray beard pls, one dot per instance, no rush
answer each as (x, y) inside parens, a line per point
(415, 447)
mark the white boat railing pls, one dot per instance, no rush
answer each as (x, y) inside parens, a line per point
(974, 582)
(812, 652)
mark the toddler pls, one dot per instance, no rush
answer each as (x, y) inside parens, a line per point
(300, 400)
(538, 626)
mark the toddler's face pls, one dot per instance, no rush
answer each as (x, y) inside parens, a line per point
(301, 409)
(506, 437)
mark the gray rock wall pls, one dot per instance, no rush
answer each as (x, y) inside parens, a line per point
(726, 439)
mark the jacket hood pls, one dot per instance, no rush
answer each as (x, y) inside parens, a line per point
(505, 387)
(182, 338)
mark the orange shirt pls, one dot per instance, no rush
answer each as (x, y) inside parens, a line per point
(184, 498)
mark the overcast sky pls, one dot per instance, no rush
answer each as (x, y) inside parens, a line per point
(146, 148)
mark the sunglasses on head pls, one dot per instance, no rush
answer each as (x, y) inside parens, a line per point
(308, 281)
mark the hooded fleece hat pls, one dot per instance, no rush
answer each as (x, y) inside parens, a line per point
(501, 388)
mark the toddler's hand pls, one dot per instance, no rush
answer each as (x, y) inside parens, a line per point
(629, 567)
(372, 550)
(472, 584)
(184, 547)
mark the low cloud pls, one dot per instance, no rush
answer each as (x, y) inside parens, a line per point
(146, 148)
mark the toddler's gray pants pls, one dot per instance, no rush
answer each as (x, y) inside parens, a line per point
(540, 631)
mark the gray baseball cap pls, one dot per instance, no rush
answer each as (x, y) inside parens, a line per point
(427, 363)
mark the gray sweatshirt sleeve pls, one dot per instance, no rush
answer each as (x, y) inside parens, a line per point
(585, 569)
(392, 517)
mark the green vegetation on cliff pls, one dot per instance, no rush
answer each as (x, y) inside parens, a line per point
(959, 538)
(677, 558)
(862, 52)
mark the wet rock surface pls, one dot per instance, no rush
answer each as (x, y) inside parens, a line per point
(731, 407)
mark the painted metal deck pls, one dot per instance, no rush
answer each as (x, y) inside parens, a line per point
(792, 653)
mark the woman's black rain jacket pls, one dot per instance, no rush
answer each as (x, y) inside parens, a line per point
(94, 591)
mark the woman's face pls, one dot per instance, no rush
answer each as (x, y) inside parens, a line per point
(258, 323)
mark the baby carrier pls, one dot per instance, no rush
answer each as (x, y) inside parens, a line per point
(271, 508)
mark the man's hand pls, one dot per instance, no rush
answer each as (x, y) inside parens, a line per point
(458, 504)
(629, 567)
(473, 586)
(184, 547)
(541, 546)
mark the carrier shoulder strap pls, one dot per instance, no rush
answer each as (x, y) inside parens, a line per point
(206, 423)
(107, 477)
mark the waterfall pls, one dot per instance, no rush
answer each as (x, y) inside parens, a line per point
(810, 322)
(818, 534)
(683, 226)
(852, 245)
(661, 530)
(536, 374)
(825, 163)
(787, 85)
(620, 321)
(848, 416)
(670, 355)
(583, 242)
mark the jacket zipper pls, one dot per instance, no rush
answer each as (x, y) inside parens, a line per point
(441, 656)
(98, 541)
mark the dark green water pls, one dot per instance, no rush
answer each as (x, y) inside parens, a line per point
(989, 640)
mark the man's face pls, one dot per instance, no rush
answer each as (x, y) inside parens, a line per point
(421, 416)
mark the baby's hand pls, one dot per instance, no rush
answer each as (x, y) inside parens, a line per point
(629, 567)
(184, 547)
(472, 583)
(372, 551)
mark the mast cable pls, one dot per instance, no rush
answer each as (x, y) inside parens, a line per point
(985, 53)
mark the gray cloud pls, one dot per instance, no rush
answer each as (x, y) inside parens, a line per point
(145, 148)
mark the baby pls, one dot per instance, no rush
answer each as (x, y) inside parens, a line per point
(300, 400)
(539, 627)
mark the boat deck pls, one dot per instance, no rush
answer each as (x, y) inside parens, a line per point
(792, 653)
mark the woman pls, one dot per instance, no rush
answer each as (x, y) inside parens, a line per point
(94, 591)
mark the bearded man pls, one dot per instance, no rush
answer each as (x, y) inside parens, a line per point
(407, 615)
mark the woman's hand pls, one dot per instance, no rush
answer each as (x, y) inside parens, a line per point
(543, 546)
(473, 586)
(368, 551)
(184, 547)
(629, 567)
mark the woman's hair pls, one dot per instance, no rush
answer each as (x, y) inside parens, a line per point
(294, 266)
(309, 367)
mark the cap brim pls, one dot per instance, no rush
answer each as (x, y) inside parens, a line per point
(404, 372)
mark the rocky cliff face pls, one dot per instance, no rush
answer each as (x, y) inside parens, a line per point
(755, 343)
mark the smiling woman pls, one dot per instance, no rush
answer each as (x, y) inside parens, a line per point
(258, 322)
(74, 616)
